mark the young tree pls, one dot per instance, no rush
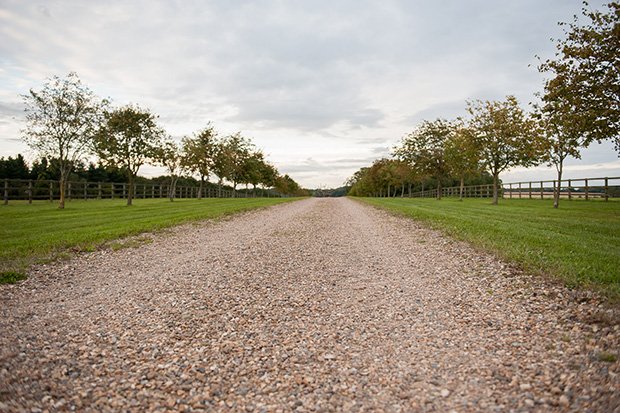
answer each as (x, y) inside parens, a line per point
(504, 136)
(589, 57)
(128, 139)
(425, 148)
(200, 153)
(62, 119)
(170, 155)
(234, 152)
(461, 154)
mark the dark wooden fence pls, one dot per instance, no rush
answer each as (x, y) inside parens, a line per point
(33, 190)
(585, 188)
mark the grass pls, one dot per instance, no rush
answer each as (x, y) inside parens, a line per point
(579, 243)
(31, 234)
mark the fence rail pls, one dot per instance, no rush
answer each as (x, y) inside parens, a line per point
(33, 190)
(584, 188)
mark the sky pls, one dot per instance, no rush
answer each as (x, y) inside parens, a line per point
(323, 87)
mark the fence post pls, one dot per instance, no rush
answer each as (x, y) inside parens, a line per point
(6, 192)
(569, 185)
(510, 191)
(85, 190)
(542, 195)
(69, 191)
(519, 190)
(586, 189)
(530, 190)
(30, 191)
(112, 191)
(99, 190)
(606, 189)
(124, 188)
(51, 191)
(160, 190)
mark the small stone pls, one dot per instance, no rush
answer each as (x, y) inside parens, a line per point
(564, 400)
(556, 390)
(529, 402)
(445, 393)
(525, 386)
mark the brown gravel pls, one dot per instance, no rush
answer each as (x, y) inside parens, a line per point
(316, 305)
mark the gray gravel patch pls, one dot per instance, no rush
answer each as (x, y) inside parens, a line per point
(316, 305)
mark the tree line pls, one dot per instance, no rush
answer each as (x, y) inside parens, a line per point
(67, 122)
(579, 105)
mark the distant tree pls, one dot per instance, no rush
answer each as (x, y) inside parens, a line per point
(462, 155)
(504, 137)
(62, 119)
(200, 153)
(128, 139)
(425, 148)
(169, 154)
(268, 175)
(14, 168)
(234, 152)
(587, 68)
(253, 168)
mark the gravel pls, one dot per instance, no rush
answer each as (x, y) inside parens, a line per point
(315, 305)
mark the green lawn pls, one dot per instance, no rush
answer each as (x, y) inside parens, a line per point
(579, 243)
(31, 233)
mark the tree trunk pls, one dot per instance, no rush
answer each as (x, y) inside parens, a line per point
(462, 187)
(130, 195)
(495, 191)
(402, 190)
(409, 189)
(422, 187)
(202, 182)
(439, 188)
(556, 202)
(219, 188)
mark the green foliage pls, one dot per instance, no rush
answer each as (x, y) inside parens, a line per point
(609, 357)
(31, 233)
(586, 70)
(561, 243)
(11, 277)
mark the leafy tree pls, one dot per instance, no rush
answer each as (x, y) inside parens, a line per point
(587, 66)
(425, 148)
(62, 119)
(234, 151)
(128, 139)
(253, 168)
(461, 155)
(504, 136)
(564, 124)
(170, 155)
(268, 175)
(200, 151)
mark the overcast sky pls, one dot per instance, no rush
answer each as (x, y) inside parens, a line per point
(324, 87)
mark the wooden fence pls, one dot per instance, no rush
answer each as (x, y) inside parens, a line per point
(32, 190)
(585, 188)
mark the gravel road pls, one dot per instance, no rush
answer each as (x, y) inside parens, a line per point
(315, 305)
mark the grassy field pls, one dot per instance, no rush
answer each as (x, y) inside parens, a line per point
(579, 243)
(38, 232)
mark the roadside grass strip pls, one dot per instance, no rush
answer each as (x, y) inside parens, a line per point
(578, 243)
(31, 234)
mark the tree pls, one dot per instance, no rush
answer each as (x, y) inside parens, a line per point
(425, 148)
(62, 119)
(504, 137)
(128, 138)
(587, 64)
(461, 155)
(200, 153)
(253, 168)
(14, 168)
(564, 125)
(234, 151)
(169, 155)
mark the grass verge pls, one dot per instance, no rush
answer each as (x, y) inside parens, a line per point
(30, 234)
(579, 243)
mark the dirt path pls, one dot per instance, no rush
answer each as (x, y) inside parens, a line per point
(317, 305)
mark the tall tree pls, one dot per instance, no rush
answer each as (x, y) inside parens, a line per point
(564, 123)
(504, 136)
(234, 152)
(425, 148)
(588, 64)
(62, 119)
(461, 155)
(200, 153)
(128, 139)
(170, 155)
